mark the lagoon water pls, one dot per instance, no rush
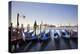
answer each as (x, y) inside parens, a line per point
(52, 44)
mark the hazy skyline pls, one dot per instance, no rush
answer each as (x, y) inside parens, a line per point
(48, 13)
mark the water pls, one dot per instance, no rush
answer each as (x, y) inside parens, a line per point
(60, 44)
(52, 44)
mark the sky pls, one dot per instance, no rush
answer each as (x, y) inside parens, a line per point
(48, 13)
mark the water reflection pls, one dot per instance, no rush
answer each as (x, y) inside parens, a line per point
(44, 44)
(32, 44)
(57, 43)
(67, 42)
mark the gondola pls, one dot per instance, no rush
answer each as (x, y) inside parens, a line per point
(74, 34)
(44, 36)
(57, 34)
(65, 34)
(29, 36)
